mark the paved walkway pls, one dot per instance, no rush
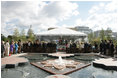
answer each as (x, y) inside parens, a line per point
(13, 61)
(106, 63)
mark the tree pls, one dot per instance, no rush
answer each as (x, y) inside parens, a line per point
(108, 33)
(91, 37)
(102, 34)
(9, 37)
(97, 40)
(30, 34)
(16, 34)
(22, 35)
(3, 37)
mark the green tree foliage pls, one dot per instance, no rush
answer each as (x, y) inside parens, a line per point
(22, 35)
(16, 34)
(3, 37)
(108, 34)
(102, 34)
(9, 37)
(97, 40)
(91, 37)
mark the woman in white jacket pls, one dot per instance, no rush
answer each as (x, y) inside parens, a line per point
(7, 47)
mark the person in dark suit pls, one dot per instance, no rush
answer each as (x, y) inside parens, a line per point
(96, 47)
(35, 47)
(48, 47)
(74, 48)
(24, 47)
(2, 49)
(102, 47)
(107, 47)
(26, 44)
(19, 46)
(29, 46)
(39, 47)
(85, 47)
(44, 47)
(111, 49)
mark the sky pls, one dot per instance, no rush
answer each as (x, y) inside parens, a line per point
(44, 14)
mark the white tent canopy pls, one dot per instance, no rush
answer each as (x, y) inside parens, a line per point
(61, 32)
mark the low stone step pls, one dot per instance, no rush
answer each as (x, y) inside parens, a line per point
(108, 63)
(11, 62)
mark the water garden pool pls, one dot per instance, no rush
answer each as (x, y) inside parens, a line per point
(30, 71)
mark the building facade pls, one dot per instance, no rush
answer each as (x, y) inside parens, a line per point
(83, 29)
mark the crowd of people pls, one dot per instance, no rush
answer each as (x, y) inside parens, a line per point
(106, 47)
(28, 47)
(39, 47)
(10, 48)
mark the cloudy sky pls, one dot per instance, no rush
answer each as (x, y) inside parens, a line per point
(44, 14)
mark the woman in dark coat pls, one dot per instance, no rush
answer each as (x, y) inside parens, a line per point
(19, 46)
(111, 48)
(2, 49)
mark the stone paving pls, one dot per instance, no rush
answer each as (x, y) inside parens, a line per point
(60, 72)
(13, 61)
(106, 63)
